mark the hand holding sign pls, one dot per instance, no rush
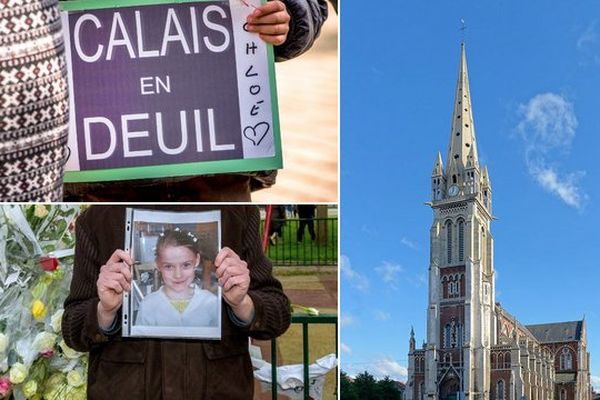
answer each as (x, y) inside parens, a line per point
(271, 21)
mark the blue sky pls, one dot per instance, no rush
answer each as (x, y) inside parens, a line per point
(534, 72)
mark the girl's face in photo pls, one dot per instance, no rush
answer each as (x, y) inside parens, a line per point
(176, 265)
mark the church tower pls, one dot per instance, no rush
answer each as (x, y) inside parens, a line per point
(460, 327)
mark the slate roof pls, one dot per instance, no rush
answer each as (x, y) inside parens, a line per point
(557, 332)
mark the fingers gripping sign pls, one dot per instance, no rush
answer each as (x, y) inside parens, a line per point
(271, 21)
(234, 278)
(113, 280)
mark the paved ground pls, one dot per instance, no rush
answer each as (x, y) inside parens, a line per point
(308, 106)
(317, 288)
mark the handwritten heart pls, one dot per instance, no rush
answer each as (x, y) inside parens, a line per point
(256, 133)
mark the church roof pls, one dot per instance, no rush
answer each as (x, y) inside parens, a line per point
(557, 332)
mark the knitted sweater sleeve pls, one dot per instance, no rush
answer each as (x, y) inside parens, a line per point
(272, 307)
(80, 321)
(307, 17)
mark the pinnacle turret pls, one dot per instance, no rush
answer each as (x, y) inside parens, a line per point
(438, 167)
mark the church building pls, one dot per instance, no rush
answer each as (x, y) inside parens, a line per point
(475, 349)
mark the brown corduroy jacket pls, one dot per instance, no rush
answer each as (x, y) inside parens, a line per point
(125, 368)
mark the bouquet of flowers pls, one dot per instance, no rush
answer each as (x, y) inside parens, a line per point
(36, 261)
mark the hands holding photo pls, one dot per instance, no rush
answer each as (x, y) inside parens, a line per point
(234, 278)
(114, 279)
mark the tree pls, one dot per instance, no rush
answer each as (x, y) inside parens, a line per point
(388, 389)
(347, 391)
(365, 387)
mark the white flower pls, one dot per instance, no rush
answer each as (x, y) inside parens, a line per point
(40, 211)
(30, 389)
(74, 378)
(69, 352)
(18, 373)
(56, 320)
(3, 343)
(44, 341)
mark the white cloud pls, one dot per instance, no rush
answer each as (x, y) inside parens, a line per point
(389, 273)
(548, 128)
(588, 37)
(595, 382)
(356, 279)
(368, 230)
(382, 315)
(389, 367)
(587, 45)
(549, 121)
(347, 320)
(564, 187)
(409, 243)
(346, 349)
(418, 280)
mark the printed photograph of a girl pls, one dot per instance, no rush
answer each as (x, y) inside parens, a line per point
(174, 287)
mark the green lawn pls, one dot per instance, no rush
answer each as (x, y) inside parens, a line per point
(321, 251)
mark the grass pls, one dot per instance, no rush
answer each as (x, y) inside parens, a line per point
(288, 251)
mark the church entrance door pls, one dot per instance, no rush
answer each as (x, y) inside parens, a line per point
(450, 387)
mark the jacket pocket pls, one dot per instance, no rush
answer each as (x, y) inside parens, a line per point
(229, 370)
(120, 372)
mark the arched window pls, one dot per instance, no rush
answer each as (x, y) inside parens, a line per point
(461, 240)
(500, 360)
(447, 336)
(563, 394)
(500, 390)
(422, 391)
(494, 364)
(566, 360)
(449, 241)
(507, 360)
(456, 335)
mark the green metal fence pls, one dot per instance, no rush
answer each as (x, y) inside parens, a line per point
(304, 242)
(305, 320)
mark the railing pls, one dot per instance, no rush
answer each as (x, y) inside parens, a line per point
(305, 320)
(304, 242)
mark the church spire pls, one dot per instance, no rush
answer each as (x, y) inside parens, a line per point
(463, 146)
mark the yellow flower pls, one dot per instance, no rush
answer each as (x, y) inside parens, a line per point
(3, 343)
(74, 378)
(30, 389)
(38, 310)
(40, 211)
(18, 373)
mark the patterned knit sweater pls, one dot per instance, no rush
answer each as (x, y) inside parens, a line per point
(33, 101)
